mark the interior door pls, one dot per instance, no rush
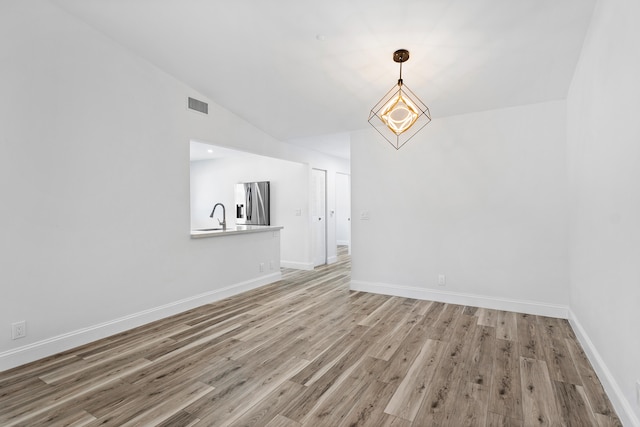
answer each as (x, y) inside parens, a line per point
(318, 216)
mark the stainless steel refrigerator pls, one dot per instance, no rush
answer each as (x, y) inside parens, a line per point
(252, 203)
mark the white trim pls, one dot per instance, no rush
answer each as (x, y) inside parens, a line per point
(50, 346)
(623, 407)
(342, 242)
(297, 265)
(332, 259)
(496, 303)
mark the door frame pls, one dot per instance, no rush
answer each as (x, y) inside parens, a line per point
(324, 215)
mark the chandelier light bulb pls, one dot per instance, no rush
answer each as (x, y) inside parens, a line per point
(399, 114)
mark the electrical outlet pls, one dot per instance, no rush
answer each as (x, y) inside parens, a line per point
(262, 267)
(442, 280)
(18, 330)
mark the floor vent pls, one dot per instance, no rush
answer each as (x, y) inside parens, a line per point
(200, 106)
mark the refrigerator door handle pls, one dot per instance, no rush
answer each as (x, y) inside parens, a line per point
(249, 204)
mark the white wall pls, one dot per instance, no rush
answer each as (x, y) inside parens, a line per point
(604, 154)
(214, 181)
(94, 176)
(480, 198)
(343, 209)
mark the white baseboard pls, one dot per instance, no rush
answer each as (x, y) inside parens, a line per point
(332, 259)
(622, 406)
(519, 306)
(50, 346)
(297, 265)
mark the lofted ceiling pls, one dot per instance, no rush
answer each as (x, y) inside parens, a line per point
(299, 69)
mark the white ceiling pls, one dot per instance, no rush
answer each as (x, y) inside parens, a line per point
(299, 69)
(204, 151)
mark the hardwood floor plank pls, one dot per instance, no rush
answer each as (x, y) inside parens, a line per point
(108, 398)
(538, 399)
(193, 343)
(529, 337)
(58, 417)
(231, 399)
(282, 421)
(369, 409)
(383, 310)
(268, 384)
(479, 365)
(472, 391)
(269, 337)
(593, 389)
(421, 306)
(387, 345)
(412, 390)
(64, 393)
(21, 392)
(325, 361)
(178, 366)
(402, 359)
(300, 408)
(268, 408)
(559, 362)
(573, 405)
(390, 421)
(471, 408)
(307, 351)
(439, 402)
(507, 326)
(148, 398)
(364, 306)
(470, 311)
(321, 338)
(506, 392)
(165, 410)
(606, 421)
(487, 317)
(34, 369)
(179, 419)
(379, 334)
(497, 420)
(443, 326)
(335, 407)
(140, 344)
(64, 371)
(432, 314)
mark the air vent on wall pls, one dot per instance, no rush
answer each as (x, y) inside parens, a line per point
(200, 106)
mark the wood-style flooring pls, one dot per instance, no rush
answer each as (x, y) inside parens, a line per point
(307, 351)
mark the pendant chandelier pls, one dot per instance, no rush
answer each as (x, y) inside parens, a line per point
(400, 114)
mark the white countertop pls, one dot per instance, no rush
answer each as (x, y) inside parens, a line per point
(238, 229)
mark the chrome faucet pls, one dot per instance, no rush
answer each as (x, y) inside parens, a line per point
(223, 223)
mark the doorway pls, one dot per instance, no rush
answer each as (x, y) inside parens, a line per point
(318, 216)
